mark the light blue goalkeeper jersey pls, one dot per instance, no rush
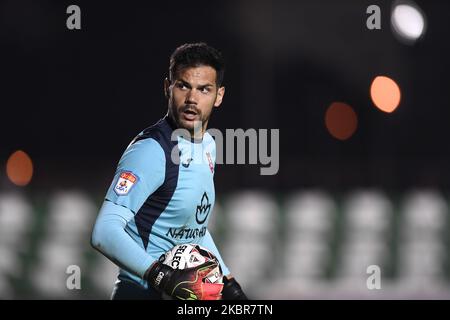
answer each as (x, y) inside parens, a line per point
(162, 195)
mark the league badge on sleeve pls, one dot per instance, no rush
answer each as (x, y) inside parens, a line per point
(126, 181)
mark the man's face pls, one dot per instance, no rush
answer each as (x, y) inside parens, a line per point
(192, 95)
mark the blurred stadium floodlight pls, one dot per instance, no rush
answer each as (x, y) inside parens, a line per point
(408, 21)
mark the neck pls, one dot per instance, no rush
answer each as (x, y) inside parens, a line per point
(196, 134)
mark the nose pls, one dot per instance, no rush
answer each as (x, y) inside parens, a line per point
(191, 97)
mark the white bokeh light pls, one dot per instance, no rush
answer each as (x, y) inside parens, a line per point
(408, 21)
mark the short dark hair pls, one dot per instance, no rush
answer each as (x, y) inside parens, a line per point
(194, 55)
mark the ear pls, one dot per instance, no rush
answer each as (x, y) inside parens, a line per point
(220, 94)
(167, 88)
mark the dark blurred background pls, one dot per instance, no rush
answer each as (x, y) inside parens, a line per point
(74, 99)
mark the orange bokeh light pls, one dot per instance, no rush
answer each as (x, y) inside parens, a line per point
(385, 94)
(19, 168)
(341, 120)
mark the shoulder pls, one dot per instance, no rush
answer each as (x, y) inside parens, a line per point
(142, 155)
(150, 149)
(160, 132)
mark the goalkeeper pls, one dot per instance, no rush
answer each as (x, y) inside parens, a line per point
(163, 190)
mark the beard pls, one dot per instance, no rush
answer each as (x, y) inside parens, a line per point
(189, 117)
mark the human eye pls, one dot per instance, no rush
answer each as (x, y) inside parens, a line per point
(205, 90)
(181, 85)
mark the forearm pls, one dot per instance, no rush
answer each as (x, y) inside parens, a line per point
(110, 238)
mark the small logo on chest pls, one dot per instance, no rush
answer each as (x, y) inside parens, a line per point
(187, 163)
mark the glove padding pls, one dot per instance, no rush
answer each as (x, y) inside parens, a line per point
(232, 290)
(185, 284)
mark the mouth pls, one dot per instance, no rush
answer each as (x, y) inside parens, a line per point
(189, 114)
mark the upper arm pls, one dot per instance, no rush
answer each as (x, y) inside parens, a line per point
(140, 172)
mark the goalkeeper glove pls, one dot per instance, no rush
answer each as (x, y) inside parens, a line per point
(232, 290)
(184, 284)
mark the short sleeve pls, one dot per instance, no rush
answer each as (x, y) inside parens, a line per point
(141, 170)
